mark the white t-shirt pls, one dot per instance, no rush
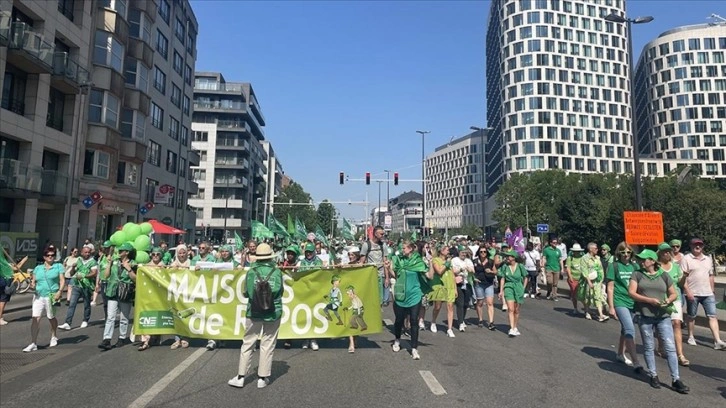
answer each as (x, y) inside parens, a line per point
(698, 273)
(462, 267)
(563, 251)
(531, 260)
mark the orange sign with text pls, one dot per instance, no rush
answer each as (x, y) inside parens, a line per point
(643, 227)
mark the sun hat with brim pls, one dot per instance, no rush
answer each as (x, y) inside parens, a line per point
(107, 244)
(605, 246)
(353, 249)
(511, 252)
(294, 249)
(675, 242)
(648, 254)
(125, 247)
(263, 252)
(664, 247)
(577, 248)
(309, 247)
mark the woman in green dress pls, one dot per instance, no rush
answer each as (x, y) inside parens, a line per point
(513, 278)
(443, 289)
(589, 290)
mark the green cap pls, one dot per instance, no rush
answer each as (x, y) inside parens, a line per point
(511, 252)
(294, 249)
(648, 254)
(309, 247)
(156, 250)
(335, 278)
(605, 246)
(107, 244)
(664, 247)
(126, 246)
(350, 287)
(675, 242)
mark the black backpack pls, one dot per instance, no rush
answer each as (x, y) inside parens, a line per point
(262, 299)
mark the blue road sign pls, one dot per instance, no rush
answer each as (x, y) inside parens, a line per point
(542, 228)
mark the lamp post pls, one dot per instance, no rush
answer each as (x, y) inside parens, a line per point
(483, 179)
(615, 18)
(423, 181)
(226, 208)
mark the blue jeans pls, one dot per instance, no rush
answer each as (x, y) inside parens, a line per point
(708, 302)
(625, 316)
(115, 306)
(77, 292)
(383, 290)
(665, 333)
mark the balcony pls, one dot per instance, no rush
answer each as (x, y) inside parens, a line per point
(220, 105)
(233, 144)
(235, 125)
(227, 203)
(193, 158)
(4, 27)
(67, 76)
(13, 104)
(20, 180)
(231, 163)
(231, 182)
(29, 51)
(217, 87)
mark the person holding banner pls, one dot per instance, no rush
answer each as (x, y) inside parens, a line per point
(309, 262)
(262, 319)
(412, 277)
(203, 255)
(181, 260)
(120, 273)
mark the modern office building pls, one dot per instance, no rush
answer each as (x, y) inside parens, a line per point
(44, 53)
(681, 100)
(143, 55)
(557, 88)
(228, 134)
(455, 183)
(406, 211)
(273, 178)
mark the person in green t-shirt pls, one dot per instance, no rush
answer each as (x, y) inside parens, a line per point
(552, 265)
(166, 256)
(6, 279)
(84, 274)
(121, 270)
(513, 279)
(443, 289)
(204, 254)
(107, 254)
(673, 269)
(621, 304)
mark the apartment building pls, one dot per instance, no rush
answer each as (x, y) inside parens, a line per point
(273, 178)
(227, 126)
(406, 212)
(44, 52)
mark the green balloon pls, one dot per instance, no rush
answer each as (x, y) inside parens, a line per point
(142, 257)
(127, 227)
(118, 238)
(133, 232)
(146, 228)
(142, 243)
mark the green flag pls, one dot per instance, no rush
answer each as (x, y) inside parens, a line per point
(239, 245)
(260, 231)
(414, 236)
(347, 230)
(290, 226)
(320, 235)
(276, 228)
(301, 232)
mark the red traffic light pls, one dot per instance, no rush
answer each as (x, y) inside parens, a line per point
(368, 178)
(395, 179)
(342, 178)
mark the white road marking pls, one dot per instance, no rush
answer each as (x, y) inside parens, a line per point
(388, 322)
(432, 383)
(152, 392)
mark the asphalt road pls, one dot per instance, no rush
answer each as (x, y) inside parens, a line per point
(558, 361)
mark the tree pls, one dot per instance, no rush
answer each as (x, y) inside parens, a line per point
(294, 193)
(326, 216)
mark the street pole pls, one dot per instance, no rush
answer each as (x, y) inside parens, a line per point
(483, 173)
(423, 181)
(66, 230)
(226, 208)
(615, 18)
(378, 214)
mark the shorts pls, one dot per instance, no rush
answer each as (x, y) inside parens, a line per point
(708, 302)
(41, 304)
(678, 314)
(483, 291)
(3, 283)
(550, 276)
(512, 295)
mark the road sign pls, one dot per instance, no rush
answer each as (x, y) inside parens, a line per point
(643, 227)
(543, 228)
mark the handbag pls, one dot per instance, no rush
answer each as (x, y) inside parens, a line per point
(126, 292)
(592, 275)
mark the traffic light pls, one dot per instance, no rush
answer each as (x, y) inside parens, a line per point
(368, 178)
(342, 178)
(395, 179)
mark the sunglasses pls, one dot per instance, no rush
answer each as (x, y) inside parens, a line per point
(156, 254)
(676, 246)
(626, 252)
(47, 255)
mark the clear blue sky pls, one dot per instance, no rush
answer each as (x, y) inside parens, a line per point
(344, 85)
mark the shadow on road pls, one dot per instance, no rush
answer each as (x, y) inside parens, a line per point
(608, 365)
(73, 340)
(568, 312)
(715, 373)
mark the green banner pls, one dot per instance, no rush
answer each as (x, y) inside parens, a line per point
(210, 305)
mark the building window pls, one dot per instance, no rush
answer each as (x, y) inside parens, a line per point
(96, 164)
(190, 42)
(171, 161)
(200, 136)
(188, 75)
(127, 174)
(182, 167)
(65, 7)
(162, 44)
(181, 199)
(56, 108)
(108, 51)
(117, 5)
(157, 116)
(179, 30)
(164, 10)
(173, 128)
(175, 95)
(103, 107)
(139, 25)
(151, 186)
(178, 63)
(154, 153)
(185, 105)
(184, 136)
(13, 92)
(133, 124)
(159, 80)
(137, 75)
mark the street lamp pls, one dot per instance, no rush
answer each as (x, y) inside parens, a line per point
(423, 181)
(615, 18)
(483, 179)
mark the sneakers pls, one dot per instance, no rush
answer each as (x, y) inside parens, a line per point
(719, 345)
(691, 341)
(450, 333)
(65, 326)
(526, 295)
(106, 345)
(624, 359)
(396, 347)
(491, 326)
(313, 345)
(415, 355)
(480, 324)
(84, 325)
(237, 381)
(510, 333)
(655, 382)
(433, 328)
(504, 307)
(462, 327)
(263, 382)
(516, 332)
(305, 344)
(421, 325)
(679, 387)
(3, 322)
(211, 344)
(31, 347)
(53, 342)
